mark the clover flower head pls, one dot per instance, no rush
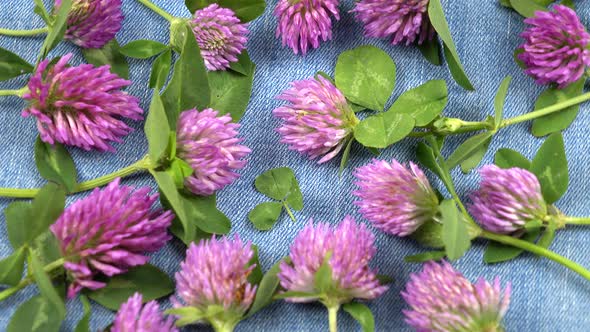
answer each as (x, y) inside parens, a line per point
(404, 21)
(208, 142)
(80, 106)
(93, 23)
(441, 299)
(556, 47)
(109, 232)
(133, 316)
(350, 247)
(305, 23)
(220, 35)
(396, 199)
(318, 122)
(507, 199)
(215, 273)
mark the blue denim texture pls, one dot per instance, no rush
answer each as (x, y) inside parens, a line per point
(546, 296)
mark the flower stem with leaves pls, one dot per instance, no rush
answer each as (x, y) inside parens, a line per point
(49, 269)
(453, 126)
(537, 250)
(458, 243)
(144, 164)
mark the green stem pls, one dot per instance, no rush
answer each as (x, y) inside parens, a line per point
(29, 280)
(157, 10)
(448, 180)
(468, 126)
(535, 249)
(141, 165)
(547, 110)
(457, 127)
(577, 220)
(333, 317)
(23, 33)
(18, 92)
(289, 211)
(419, 133)
(221, 326)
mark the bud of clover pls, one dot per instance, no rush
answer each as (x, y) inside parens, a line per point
(556, 47)
(331, 265)
(93, 23)
(212, 285)
(403, 21)
(396, 199)
(220, 34)
(507, 200)
(178, 33)
(318, 122)
(81, 106)
(303, 24)
(441, 299)
(109, 232)
(209, 144)
(133, 316)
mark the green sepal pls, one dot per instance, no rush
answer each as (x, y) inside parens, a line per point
(527, 8)
(256, 274)
(160, 70)
(55, 163)
(266, 288)
(231, 90)
(57, 28)
(189, 86)
(11, 65)
(186, 315)
(245, 10)
(84, 323)
(429, 234)
(362, 314)
(425, 257)
(179, 170)
(37, 314)
(507, 158)
(109, 54)
(143, 49)
(455, 233)
(148, 280)
(11, 267)
(439, 22)
(323, 281)
(561, 120)
(498, 252)
(551, 168)
(500, 100)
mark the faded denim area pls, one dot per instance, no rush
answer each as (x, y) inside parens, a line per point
(546, 296)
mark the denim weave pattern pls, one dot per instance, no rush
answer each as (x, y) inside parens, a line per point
(546, 296)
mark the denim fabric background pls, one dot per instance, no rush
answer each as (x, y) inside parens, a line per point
(546, 296)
